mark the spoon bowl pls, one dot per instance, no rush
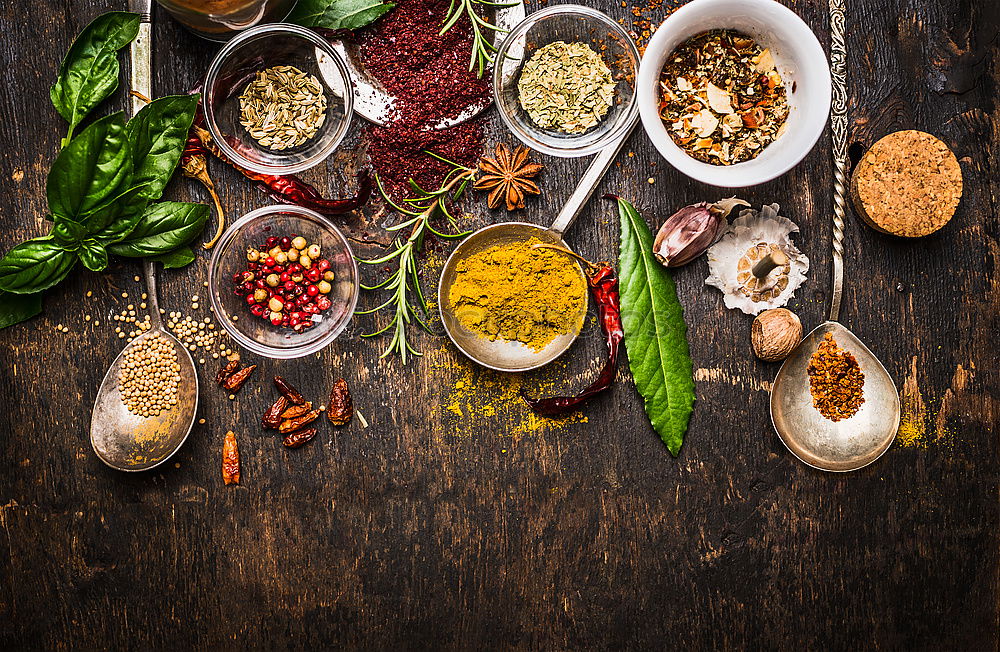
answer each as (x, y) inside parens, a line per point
(129, 442)
(502, 355)
(844, 445)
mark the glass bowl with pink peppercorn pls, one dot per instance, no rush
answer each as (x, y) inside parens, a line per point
(283, 281)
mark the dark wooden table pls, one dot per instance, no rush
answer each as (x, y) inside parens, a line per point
(457, 520)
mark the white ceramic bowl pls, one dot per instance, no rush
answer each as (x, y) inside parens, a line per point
(800, 61)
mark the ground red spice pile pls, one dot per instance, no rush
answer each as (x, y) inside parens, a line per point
(836, 381)
(429, 74)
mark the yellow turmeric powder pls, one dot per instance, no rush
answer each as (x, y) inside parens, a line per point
(513, 292)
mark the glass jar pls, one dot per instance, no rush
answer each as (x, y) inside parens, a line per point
(221, 19)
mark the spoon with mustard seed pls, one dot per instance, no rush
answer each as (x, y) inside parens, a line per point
(146, 404)
(863, 428)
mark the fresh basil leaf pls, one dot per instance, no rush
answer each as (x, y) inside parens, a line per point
(93, 255)
(115, 219)
(338, 14)
(158, 133)
(93, 168)
(164, 227)
(68, 233)
(34, 266)
(655, 332)
(89, 73)
(15, 308)
(176, 258)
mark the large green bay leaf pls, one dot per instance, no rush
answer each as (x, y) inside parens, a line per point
(655, 332)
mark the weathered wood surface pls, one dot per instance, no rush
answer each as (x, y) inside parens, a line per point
(486, 529)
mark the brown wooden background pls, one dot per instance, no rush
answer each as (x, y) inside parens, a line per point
(489, 530)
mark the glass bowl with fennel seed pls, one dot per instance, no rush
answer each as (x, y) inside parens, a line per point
(277, 99)
(564, 81)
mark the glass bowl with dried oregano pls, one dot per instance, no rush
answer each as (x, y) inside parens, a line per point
(565, 81)
(277, 99)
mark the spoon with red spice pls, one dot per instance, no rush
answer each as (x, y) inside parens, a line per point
(395, 47)
(824, 413)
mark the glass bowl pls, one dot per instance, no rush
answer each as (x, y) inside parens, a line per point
(235, 66)
(231, 310)
(569, 23)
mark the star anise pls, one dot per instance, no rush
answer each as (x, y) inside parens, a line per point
(508, 177)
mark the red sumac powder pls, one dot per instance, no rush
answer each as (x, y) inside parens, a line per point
(429, 75)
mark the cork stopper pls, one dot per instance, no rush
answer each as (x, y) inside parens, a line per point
(908, 184)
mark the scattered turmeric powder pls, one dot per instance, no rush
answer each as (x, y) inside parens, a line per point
(513, 292)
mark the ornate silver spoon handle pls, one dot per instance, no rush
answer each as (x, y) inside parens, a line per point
(838, 125)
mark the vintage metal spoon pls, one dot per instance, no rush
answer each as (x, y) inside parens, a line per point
(123, 440)
(515, 356)
(852, 443)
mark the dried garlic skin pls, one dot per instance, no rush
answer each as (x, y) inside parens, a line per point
(689, 232)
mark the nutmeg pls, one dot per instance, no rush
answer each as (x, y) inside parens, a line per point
(775, 334)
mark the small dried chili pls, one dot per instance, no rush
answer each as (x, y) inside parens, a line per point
(234, 382)
(296, 410)
(341, 407)
(299, 437)
(295, 423)
(272, 418)
(603, 283)
(230, 459)
(290, 392)
(228, 370)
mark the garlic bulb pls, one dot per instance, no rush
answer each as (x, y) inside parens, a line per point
(690, 231)
(755, 264)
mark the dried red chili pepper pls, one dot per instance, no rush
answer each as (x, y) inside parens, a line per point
(293, 424)
(228, 370)
(234, 382)
(230, 459)
(341, 407)
(272, 417)
(299, 437)
(603, 283)
(290, 392)
(287, 188)
(296, 410)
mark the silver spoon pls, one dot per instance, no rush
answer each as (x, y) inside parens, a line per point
(856, 442)
(503, 355)
(123, 440)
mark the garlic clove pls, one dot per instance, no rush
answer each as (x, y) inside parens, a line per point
(689, 232)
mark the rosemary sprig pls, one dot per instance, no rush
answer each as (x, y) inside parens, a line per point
(406, 301)
(482, 49)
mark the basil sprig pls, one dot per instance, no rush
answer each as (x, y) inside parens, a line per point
(104, 186)
(89, 73)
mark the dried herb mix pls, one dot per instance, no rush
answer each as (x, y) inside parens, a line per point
(722, 100)
(566, 87)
